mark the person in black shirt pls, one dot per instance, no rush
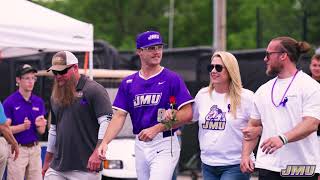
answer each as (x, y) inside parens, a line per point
(81, 111)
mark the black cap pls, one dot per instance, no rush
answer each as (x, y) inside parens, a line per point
(24, 69)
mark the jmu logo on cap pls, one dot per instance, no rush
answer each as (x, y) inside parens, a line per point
(57, 60)
(153, 36)
(147, 99)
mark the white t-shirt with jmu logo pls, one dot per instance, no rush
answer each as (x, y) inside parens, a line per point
(303, 99)
(220, 135)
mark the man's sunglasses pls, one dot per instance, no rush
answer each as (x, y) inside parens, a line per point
(218, 67)
(268, 53)
(61, 72)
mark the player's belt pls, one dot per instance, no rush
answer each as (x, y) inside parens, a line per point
(30, 144)
(167, 134)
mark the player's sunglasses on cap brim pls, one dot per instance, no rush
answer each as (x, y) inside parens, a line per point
(61, 72)
(218, 67)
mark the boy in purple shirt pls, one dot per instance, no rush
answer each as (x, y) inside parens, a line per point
(142, 95)
(25, 112)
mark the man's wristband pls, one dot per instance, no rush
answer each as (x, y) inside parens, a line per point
(284, 139)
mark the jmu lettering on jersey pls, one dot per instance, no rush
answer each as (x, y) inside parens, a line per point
(147, 99)
(215, 119)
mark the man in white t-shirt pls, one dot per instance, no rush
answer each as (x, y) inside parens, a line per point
(287, 107)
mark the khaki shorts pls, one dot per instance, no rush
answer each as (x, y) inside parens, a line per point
(28, 164)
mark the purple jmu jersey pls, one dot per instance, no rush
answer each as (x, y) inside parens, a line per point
(142, 98)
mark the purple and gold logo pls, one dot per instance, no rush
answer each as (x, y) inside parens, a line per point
(215, 119)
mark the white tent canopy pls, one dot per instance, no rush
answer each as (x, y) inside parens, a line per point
(27, 28)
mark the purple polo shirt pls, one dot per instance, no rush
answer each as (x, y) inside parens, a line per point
(142, 98)
(17, 108)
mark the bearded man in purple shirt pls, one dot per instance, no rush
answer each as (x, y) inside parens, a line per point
(142, 95)
(25, 112)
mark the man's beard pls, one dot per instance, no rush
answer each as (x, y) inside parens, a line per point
(274, 70)
(64, 95)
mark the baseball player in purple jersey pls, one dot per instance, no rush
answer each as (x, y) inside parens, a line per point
(142, 95)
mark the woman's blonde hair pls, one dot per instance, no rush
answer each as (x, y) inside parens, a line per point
(231, 64)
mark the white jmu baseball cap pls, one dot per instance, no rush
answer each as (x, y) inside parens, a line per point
(62, 60)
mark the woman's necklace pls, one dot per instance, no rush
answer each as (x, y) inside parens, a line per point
(284, 99)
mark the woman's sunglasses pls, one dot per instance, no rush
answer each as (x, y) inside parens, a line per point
(61, 72)
(218, 67)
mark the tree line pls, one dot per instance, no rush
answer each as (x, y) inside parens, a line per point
(250, 23)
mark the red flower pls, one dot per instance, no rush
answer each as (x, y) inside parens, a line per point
(172, 100)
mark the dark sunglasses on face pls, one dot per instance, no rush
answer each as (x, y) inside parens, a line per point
(268, 54)
(61, 72)
(218, 67)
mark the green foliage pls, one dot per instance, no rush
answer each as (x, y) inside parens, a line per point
(193, 23)
(118, 21)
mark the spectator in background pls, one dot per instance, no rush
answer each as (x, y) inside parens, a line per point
(222, 110)
(287, 108)
(315, 67)
(6, 134)
(81, 111)
(315, 74)
(25, 112)
(145, 95)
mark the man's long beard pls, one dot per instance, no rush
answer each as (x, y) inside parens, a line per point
(64, 95)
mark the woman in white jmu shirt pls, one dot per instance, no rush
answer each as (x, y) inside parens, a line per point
(222, 109)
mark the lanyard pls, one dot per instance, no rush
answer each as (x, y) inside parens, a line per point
(283, 99)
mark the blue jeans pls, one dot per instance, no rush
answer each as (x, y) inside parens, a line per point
(231, 172)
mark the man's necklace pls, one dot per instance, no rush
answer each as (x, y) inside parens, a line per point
(284, 99)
